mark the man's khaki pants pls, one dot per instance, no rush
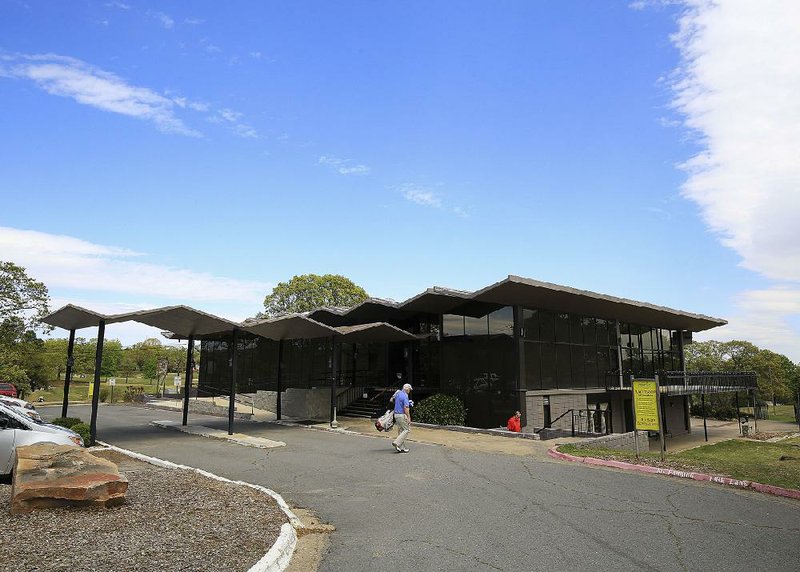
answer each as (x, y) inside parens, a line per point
(403, 427)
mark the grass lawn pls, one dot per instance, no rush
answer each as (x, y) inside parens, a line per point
(79, 389)
(783, 413)
(745, 459)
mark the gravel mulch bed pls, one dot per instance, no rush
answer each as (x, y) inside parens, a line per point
(172, 520)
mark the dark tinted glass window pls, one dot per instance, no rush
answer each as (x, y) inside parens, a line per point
(452, 325)
(589, 334)
(501, 322)
(563, 366)
(590, 367)
(476, 326)
(530, 324)
(548, 366)
(562, 327)
(533, 374)
(575, 329)
(547, 326)
(578, 372)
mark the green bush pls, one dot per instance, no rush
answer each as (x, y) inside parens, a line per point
(68, 422)
(104, 391)
(134, 393)
(440, 409)
(83, 430)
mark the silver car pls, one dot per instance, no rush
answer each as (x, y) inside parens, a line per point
(17, 430)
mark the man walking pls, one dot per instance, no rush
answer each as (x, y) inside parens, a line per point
(402, 418)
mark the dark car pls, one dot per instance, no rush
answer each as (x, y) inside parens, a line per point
(8, 389)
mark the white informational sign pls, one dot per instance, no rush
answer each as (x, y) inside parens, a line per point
(112, 381)
(177, 382)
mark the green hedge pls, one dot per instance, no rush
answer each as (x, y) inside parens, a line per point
(67, 422)
(83, 430)
(440, 409)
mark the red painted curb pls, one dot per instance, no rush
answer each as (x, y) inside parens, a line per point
(762, 488)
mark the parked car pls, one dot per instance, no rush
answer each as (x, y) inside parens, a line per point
(8, 389)
(17, 430)
(21, 406)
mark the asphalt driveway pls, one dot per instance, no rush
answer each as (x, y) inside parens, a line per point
(443, 508)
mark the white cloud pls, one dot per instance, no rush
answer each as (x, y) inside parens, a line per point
(231, 118)
(165, 20)
(193, 21)
(65, 262)
(118, 5)
(88, 85)
(763, 317)
(343, 166)
(421, 196)
(737, 90)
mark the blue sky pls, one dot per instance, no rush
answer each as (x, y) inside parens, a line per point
(164, 153)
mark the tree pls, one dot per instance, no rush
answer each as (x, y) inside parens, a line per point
(22, 297)
(23, 304)
(311, 291)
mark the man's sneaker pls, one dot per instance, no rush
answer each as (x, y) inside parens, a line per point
(396, 448)
(404, 450)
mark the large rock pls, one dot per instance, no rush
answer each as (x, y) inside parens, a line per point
(48, 475)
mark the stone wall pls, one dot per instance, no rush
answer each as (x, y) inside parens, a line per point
(619, 441)
(208, 408)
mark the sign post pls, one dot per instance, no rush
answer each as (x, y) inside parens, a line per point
(112, 381)
(645, 405)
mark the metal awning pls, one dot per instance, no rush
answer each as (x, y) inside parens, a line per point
(298, 326)
(182, 321)
(71, 317)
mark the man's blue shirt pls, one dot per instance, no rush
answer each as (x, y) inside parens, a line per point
(401, 402)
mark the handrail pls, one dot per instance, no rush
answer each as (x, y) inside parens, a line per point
(550, 425)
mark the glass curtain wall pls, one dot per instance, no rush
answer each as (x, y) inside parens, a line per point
(570, 351)
(478, 364)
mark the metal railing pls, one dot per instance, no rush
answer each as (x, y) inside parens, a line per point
(345, 398)
(583, 422)
(695, 382)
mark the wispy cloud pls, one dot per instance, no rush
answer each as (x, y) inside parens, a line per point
(193, 21)
(232, 119)
(118, 5)
(68, 262)
(343, 166)
(163, 19)
(421, 196)
(736, 90)
(88, 85)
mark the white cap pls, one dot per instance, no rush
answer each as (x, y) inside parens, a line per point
(407, 386)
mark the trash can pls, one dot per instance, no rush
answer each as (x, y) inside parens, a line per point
(745, 427)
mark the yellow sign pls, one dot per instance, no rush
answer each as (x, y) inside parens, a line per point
(91, 389)
(645, 402)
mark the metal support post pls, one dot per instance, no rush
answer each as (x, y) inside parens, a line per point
(98, 364)
(738, 415)
(187, 386)
(68, 373)
(662, 426)
(232, 395)
(335, 358)
(703, 403)
(280, 380)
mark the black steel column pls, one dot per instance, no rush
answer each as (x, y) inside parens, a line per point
(188, 384)
(738, 418)
(519, 350)
(233, 382)
(335, 358)
(703, 403)
(410, 362)
(98, 364)
(280, 376)
(68, 373)
(661, 399)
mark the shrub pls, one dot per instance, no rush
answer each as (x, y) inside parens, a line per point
(134, 393)
(104, 391)
(68, 422)
(83, 430)
(440, 409)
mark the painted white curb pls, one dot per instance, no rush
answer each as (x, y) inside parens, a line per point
(279, 556)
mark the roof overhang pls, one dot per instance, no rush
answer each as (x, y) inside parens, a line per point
(527, 292)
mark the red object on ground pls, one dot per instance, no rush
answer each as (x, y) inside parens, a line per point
(513, 424)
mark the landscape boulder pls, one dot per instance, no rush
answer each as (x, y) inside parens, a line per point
(48, 475)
